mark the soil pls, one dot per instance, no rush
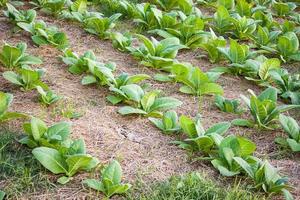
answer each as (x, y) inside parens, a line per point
(142, 149)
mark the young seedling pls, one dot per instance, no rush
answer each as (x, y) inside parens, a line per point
(148, 104)
(47, 97)
(168, 123)
(110, 182)
(228, 105)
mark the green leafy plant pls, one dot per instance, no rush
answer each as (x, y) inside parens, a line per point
(222, 20)
(232, 151)
(243, 27)
(16, 16)
(211, 46)
(190, 32)
(228, 105)
(291, 127)
(5, 102)
(237, 54)
(288, 47)
(100, 73)
(195, 81)
(110, 182)
(147, 104)
(121, 41)
(100, 26)
(282, 8)
(15, 56)
(77, 64)
(44, 35)
(199, 139)
(147, 16)
(185, 6)
(266, 177)
(123, 80)
(288, 85)
(264, 38)
(26, 78)
(263, 109)
(47, 97)
(126, 79)
(54, 6)
(258, 70)
(68, 162)
(168, 123)
(39, 134)
(157, 54)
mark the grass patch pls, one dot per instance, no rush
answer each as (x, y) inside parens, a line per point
(20, 173)
(191, 186)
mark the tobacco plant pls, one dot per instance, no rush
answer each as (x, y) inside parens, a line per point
(110, 182)
(222, 20)
(68, 161)
(282, 8)
(288, 47)
(44, 35)
(190, 31)
(16, 16)
(288, 85)
(195, 81)
(263, 109)
(232, 151)
(157, 54)
(147, 104)
(237, 54)
(100, 73)
(291, 127)
(47, 97)
(15, 56)
(54, 7)
(78, 64)
(147, 16)
(199, 139)
(259, 70)
(186, 6)
(211, 45)
(168, 123)
(121, 41)
(99, 25)
(26, 78)
(5, 102)
(264, 38)
(243, 27)
(228, 105)
(39, 134)
(266, 178)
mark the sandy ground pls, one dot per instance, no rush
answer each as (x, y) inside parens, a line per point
(142, 149)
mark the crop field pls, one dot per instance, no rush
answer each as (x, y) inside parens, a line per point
(150, 100)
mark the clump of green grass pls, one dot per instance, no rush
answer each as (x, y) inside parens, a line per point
(20, 173)
(192, 186)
